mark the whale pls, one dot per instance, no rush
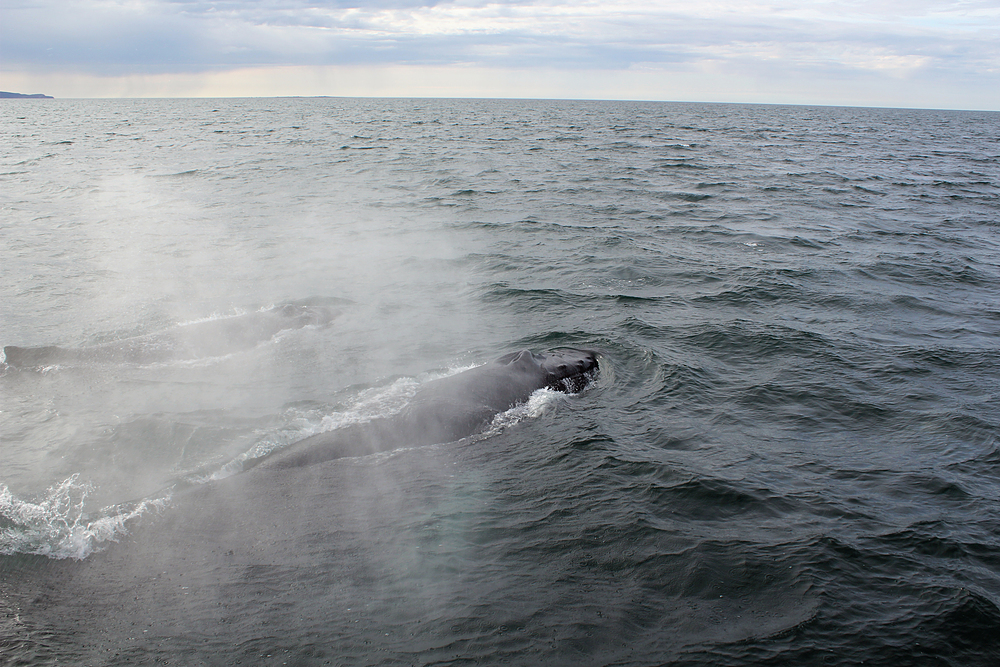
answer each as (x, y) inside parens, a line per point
(198, 340)
(447, 409)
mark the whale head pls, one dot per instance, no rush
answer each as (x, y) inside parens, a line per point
(563, 369)
(569, 369)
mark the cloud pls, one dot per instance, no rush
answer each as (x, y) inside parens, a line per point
(901, 39)
(188, 35)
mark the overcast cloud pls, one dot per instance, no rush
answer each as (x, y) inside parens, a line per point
(918, 50)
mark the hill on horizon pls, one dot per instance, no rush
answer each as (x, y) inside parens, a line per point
(21, 96)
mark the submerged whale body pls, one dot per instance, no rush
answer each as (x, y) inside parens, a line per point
(448, 409)
(199, 340)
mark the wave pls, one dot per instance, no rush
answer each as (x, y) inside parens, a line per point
(210, 337)
(58, 526)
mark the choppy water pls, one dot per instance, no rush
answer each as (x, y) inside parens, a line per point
(791, 456)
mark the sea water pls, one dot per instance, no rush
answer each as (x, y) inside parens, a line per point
(791, 454)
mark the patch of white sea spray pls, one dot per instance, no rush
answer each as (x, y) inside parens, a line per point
(539, 403)
(58, 525)
(217, 316)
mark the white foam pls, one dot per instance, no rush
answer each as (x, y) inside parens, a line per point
(58, 526)
(540, 402)
(236, 312)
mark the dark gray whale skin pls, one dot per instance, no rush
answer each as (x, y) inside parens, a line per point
(447, 409)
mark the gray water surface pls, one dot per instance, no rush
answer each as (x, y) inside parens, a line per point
(790, 456)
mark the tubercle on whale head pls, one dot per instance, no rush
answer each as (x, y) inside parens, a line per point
(569, 370)
(558, 363)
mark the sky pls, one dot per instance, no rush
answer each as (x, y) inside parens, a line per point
(890, 53)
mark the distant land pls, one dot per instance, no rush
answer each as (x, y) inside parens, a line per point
(21, 96)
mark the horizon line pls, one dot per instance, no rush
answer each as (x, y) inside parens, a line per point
(32, 97)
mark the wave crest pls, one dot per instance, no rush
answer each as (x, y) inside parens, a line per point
(58, 525)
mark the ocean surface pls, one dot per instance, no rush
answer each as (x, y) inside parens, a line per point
(790, 456)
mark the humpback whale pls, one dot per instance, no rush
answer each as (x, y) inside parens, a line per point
(210, 338)
(447, 409)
